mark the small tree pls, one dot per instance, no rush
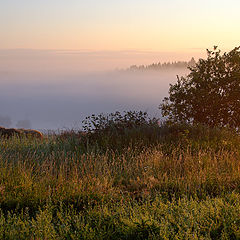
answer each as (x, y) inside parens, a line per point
(210, 94)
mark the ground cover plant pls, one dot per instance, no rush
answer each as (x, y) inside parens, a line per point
(125, 177)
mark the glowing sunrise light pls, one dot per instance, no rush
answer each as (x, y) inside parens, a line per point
(176, 25)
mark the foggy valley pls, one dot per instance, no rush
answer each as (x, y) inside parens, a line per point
(57, 96)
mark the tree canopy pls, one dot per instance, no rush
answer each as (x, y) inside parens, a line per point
(209, 94)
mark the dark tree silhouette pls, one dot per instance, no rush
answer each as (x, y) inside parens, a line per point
(162, 66)
(210, 94)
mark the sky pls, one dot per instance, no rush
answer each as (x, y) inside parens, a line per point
(111, 25)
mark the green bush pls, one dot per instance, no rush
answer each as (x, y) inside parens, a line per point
(116, 131)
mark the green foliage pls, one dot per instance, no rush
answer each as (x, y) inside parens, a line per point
(116, 131)
(117, 122)
(210, 94)
(217, 218)
(163, 182)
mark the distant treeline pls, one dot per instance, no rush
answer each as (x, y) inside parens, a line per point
(161, 66)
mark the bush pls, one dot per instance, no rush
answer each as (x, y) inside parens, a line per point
(116, 130)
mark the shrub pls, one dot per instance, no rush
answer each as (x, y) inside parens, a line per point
(116, 130)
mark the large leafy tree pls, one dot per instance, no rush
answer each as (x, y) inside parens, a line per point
(209, 94)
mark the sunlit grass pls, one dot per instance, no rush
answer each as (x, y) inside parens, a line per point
(177, 182)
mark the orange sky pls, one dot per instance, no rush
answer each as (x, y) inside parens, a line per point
(153, 25)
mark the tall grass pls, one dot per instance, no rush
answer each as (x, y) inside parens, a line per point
(146, 182)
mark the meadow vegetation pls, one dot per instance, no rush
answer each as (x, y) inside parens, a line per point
(124, 177)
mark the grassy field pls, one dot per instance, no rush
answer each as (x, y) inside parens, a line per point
(128, 179)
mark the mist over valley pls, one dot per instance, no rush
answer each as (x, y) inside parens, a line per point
(53, 97)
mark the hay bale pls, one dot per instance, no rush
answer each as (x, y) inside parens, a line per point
(9, 132)
(32, 133)
(29, 133)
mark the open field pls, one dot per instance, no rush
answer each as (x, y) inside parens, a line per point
(151, 182)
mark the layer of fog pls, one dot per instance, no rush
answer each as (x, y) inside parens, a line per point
(62, 99)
